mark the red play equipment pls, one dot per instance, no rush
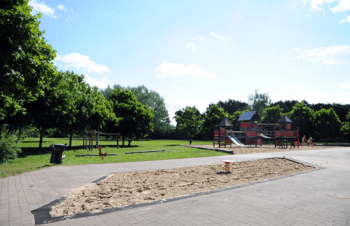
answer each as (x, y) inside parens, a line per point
(221, 134)
(251, 132)
(100, 154)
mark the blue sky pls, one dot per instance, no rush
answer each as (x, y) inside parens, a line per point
(199, 52)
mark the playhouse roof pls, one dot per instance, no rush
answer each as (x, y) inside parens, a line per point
(284, 119)
(247, 116)
(225, 122)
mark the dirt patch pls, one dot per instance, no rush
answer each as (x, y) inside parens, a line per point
(265, 148)
(123, 189)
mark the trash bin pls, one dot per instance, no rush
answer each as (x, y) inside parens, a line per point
(57, 150)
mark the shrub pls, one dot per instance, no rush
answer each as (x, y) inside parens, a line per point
(9, 145)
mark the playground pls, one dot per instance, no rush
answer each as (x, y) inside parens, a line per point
(264, 148)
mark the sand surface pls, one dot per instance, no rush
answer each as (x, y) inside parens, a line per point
(265, 148)
(123, 189)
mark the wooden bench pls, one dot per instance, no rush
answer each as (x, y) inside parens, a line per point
(227, 164)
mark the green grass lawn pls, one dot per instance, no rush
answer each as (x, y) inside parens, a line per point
(32, 159)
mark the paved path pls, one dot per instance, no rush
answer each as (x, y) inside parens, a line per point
(321, 197)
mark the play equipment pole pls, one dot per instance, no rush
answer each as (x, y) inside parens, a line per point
(298, 137)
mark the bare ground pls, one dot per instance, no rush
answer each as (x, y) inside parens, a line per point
(265, 148)
(123, 189)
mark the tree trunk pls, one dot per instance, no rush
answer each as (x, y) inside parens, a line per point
(41, 137)
(70, 137)
(123, 140)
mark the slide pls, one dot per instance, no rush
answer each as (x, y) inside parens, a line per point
(264, 136)
(236, 141)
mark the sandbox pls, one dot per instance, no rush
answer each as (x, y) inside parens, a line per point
(124, 189)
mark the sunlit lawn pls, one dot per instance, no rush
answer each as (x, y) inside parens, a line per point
(33, 159)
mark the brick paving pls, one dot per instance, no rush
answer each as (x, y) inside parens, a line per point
(320, 197)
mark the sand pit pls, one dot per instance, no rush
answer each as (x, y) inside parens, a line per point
(265, 148)
(123, 189)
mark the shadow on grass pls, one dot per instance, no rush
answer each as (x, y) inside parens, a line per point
(171, 145)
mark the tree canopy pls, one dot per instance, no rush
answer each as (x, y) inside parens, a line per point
(259, 102)
(26, 60)
(136, 119)
(188, 121)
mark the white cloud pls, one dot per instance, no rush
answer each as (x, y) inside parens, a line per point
(343, 6)
(62, 8)
(177, 87)
(77, 60)
(190, 46)
(93, 82)
(317, 5)
(325, 55)
(200, 37)
(175, 70)
(347, 19)
(217, 36)
(41, 7)
(230, 38)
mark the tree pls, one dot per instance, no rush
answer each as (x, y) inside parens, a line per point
(212, 119)
(272, 114)
(89, 108)
(346, 126)
(136, 118)
(26, 60)
(232, 106)
(188, 122)
(155, 102)
(150, 98)
(57, 102)
(287, 105)
(259, 102)
(303, 117)
(327, 124)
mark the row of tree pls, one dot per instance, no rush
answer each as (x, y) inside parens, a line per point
(323, 124)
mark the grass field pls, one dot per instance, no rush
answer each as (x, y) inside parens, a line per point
(32, 159)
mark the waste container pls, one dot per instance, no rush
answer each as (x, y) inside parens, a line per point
(57, 150)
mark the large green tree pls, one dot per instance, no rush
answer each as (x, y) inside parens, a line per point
(232, 106)
(153, 100)
(188, 122)
(26, 60)
(259, 101)
(346, 127)
(212, 119)
(327, 124)
(89, 108)
(58, 100)
(304, 118)
(136, 119)
(272, 114)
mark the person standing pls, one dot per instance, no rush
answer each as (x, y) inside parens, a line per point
(304, 140)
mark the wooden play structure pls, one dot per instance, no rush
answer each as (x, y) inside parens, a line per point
(252, 132)
(88, 138)
(221, 134)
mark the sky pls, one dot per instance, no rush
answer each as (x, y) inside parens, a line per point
(194, 53)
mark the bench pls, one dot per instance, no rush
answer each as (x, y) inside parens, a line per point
(227, 164)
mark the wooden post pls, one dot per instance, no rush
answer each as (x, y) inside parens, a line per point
(118, 140)
(97, 138)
